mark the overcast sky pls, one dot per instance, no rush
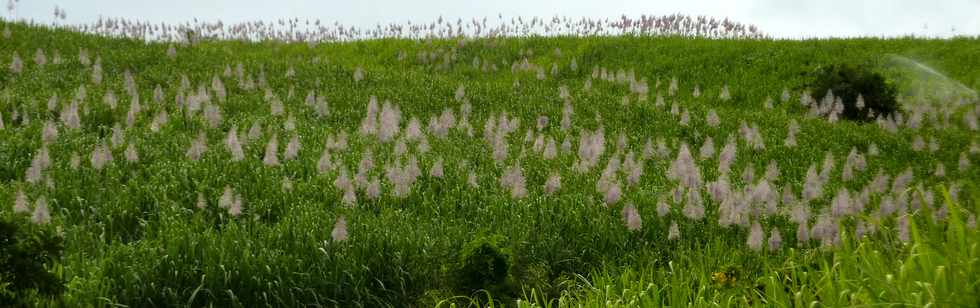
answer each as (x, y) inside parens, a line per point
(779, 18)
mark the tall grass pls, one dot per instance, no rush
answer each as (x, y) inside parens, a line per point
(938, 268)
(135, 235)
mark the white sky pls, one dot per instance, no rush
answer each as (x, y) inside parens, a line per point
(779, 18)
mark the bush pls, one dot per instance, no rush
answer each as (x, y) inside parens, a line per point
(25, 251)
(483, 265)
(847, 82)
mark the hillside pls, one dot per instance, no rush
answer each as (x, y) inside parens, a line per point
(360, 171)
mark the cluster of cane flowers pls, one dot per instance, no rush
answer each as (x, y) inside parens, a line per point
(395, 148)
(316, 31)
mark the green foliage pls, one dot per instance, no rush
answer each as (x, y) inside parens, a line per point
(483, 264)
(134, 235)
(849, 82)
(27, 253)
(939, 267)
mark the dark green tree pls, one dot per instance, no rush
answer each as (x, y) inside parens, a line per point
(848, 82)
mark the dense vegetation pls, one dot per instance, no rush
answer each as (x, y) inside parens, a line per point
(864, 93)
(398, 172)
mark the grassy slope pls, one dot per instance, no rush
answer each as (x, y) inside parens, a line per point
(134, 236)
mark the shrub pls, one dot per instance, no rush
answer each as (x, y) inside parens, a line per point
(483, 265)
(25, 252)
(847, 82)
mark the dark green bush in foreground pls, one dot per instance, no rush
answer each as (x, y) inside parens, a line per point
(483, 264)
(25, 252)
